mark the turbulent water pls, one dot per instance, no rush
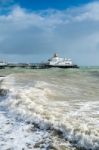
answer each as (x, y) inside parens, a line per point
(50, 109)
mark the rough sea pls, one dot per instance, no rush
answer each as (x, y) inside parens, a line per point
(49, 109)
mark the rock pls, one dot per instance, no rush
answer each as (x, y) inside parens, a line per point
(51, 147)
(28, 122)
(3, 92)
(36, 125)
(38, 144)
(29, 146)
(57, 132)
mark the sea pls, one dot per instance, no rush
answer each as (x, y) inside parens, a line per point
(49, 109)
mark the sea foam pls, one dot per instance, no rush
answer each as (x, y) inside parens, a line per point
(50, 107)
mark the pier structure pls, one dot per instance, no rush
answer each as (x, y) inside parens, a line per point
(34, 66)
(25, 65)
(53, 62)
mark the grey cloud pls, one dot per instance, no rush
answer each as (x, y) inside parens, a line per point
(73, 32)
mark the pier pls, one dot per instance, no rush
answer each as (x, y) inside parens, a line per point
(53, 62)
(25, 65)
(34, 66)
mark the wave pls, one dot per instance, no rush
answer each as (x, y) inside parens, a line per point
(37, 104)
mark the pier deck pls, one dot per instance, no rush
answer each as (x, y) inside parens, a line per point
(23, 65)
(34, 66)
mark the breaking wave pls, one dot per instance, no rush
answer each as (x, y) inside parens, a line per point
(59, 110)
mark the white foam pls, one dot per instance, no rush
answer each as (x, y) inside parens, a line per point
(77, 120)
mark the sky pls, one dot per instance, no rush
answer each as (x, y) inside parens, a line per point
(32, 30)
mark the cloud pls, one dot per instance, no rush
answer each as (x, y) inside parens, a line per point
(73, 32)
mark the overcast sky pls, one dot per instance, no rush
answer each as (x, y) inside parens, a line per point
(31, 31)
